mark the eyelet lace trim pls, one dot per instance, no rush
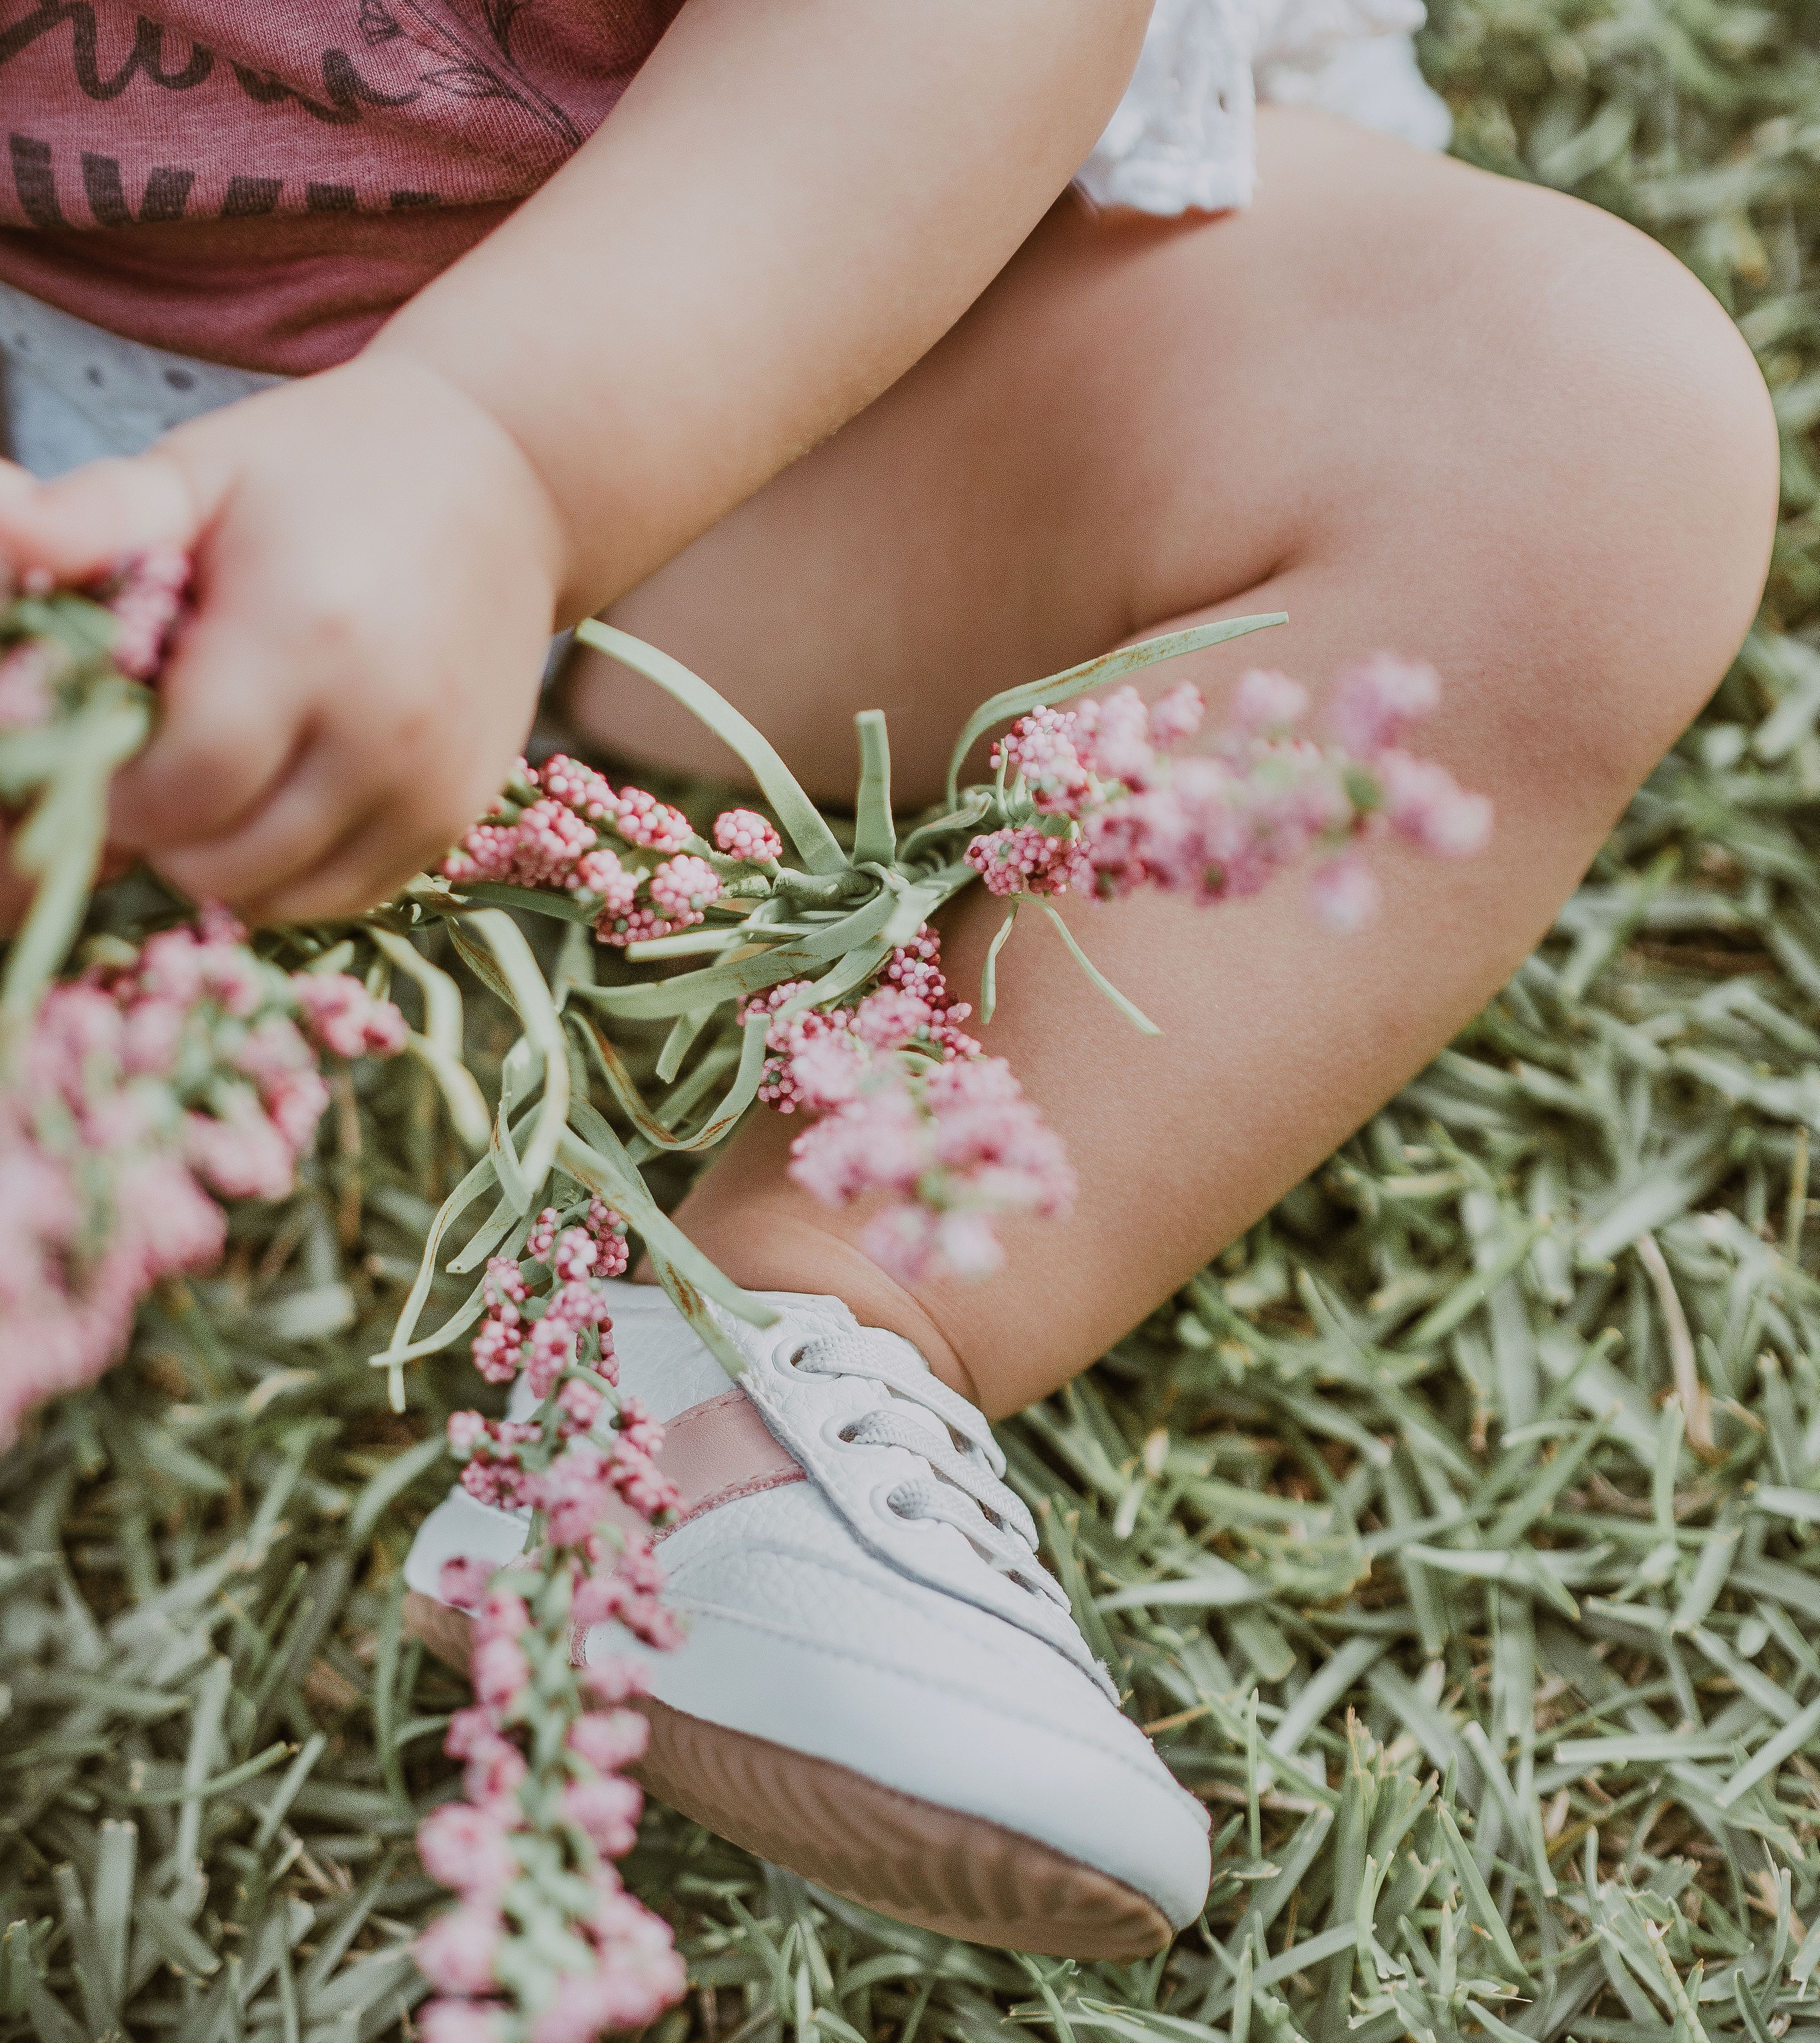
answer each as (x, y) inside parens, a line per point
(965, 1488)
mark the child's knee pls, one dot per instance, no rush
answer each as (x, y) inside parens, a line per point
(1634, 468)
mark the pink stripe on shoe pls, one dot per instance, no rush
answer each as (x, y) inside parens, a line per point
(714, 1453)
(720, 1451)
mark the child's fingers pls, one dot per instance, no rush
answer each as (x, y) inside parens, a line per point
(301, 823)
(79, 525)
(370, 864)
(342, 831)
(227, 733)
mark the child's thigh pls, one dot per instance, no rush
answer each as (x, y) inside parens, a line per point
(1442, 392)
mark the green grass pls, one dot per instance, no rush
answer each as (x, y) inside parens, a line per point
(1460, 1528)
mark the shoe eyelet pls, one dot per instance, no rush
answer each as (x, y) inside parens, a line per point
(838, 1431)
(883, 1506)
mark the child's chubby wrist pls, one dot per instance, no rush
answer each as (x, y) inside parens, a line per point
(396, 375)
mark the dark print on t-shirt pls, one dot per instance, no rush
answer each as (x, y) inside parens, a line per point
(116, 115)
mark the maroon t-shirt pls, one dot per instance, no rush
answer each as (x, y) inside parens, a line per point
(262, 181)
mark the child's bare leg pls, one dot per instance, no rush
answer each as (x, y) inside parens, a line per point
(1415, 407)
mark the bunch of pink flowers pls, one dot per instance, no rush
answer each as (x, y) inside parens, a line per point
(144, 599)
(141, 1094)
(545, 1942)
(1111, 805)
(563, 826)
(906, 1105)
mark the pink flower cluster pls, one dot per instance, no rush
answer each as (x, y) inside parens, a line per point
(907, 1105)
(142, 1094)
(555, 839)
(813, 1054)
(512, 1338)
(145, 598)
(743, 833)
(627, 1970)
(547, 1316)
(28, 671)
(587, 1457)
(1111, 806)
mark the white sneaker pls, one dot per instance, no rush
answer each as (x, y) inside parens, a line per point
(882, 1687)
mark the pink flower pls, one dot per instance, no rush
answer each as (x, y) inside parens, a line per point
(151, 1035)
(1028, 860)
(682, 887)
(892, 1019)
(581, 1403)
(486, 1482)
(609, 1232)
(1377, 700)
(638, 1480)
(616, 1680)
(1112, 735)
(880, 1142)
(572, 1254)
(458, 2022)
(297, 1101)
(466, 1849)
(600, 873)
(607, 1808)
(345, 1017)
(642, 819)
(827, 1071)
(1040, 749)
(638, 1429)
(1345, 893)
(146, 601)
(28, 676)
(1269, 702)
(628, 1593)
(579, 786)
(743, 833)
(639, 926)
(240, 1152)
(609, 1739)
(1176, 716)
(574, 1491)
(499, 1671)
(456, 1952)
(501, 1615)
(463, 1580)
(472, 1730)
(493, 1774)
(1426, 804)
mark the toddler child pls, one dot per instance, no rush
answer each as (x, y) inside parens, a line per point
(770, 329)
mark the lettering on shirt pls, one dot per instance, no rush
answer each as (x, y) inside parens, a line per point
(437, 87)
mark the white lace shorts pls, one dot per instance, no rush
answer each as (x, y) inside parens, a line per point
(1181, 140)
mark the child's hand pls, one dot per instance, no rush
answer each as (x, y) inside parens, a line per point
(376, 573)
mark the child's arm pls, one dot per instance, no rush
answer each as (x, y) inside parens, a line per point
(793, 200)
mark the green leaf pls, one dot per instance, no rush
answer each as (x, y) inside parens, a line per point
(801, 819)
(874, 833)
(1011, 703)
(1128, 1009)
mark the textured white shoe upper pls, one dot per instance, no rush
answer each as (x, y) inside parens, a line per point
(890, 1614)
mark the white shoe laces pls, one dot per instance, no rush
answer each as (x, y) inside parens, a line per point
(965, 1487)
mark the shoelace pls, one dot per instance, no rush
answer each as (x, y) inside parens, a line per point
(965, 1488)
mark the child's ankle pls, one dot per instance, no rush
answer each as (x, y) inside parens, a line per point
(784, 1253)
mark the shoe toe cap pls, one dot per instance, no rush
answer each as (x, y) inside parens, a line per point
(811, 1645)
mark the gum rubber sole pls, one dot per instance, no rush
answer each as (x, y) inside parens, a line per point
(956, 1874)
